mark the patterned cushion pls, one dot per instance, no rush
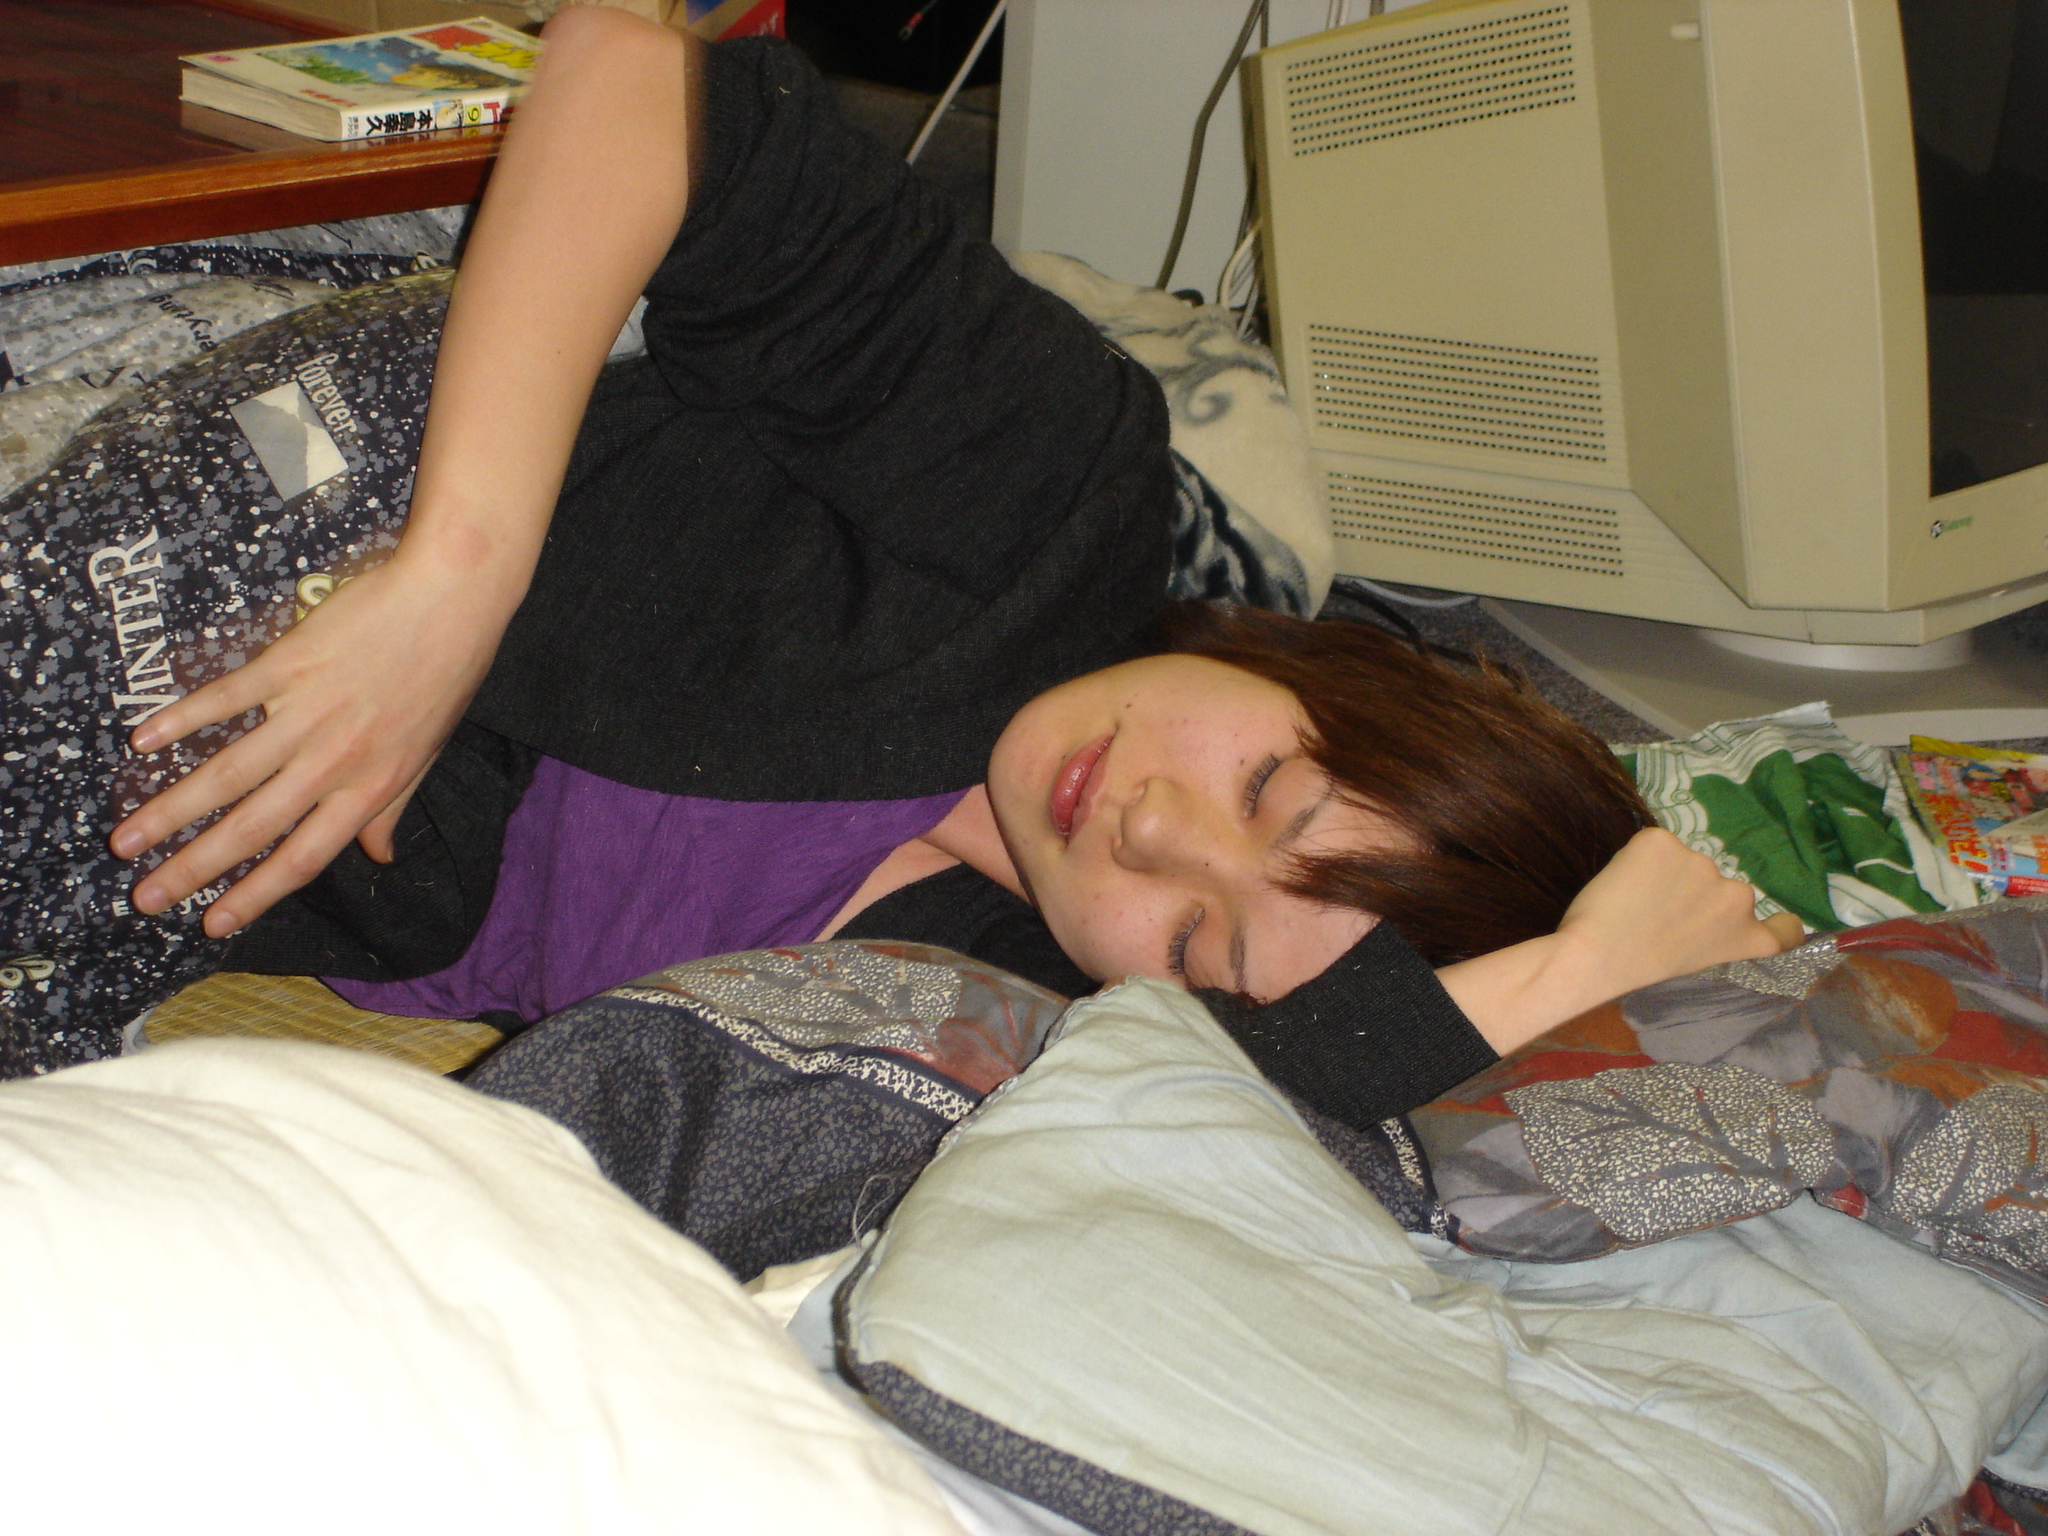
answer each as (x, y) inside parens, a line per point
(1896, 1071)
(774, 1105)
(200, 514)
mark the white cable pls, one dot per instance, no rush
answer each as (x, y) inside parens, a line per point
(1405, 597)
(1233, 275)
(1333, 14)
(959, 78)
(1242, 294)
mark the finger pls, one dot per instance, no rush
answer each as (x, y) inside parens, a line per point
(376, 839)
(227, 776)
(249, 827)
(1786, 929)
(243, 834)
(308, 850)
(297, 793)
(225, 698)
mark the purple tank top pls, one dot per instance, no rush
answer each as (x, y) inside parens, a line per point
(601, 883)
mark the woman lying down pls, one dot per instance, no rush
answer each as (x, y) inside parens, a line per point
(841, 613)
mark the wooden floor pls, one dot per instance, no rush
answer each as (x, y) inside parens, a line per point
(90, 86)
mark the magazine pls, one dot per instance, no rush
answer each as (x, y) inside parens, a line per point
(1987, 808)
(458, 74)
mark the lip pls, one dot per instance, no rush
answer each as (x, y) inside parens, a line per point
(1070, 787)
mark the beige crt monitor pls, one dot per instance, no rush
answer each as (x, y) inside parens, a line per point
(1617, 306)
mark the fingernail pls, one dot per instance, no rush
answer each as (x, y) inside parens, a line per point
(151, 899)
(143, 739)
(220, 922)
(126, 843)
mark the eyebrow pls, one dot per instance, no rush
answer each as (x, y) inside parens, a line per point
(1288, 835)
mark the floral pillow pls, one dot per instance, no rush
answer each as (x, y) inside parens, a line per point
(1898, 1072)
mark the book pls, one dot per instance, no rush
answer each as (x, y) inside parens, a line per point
(456, 74)
(1985, 807)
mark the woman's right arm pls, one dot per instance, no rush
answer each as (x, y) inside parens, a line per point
(585, 199)
(1658, 910)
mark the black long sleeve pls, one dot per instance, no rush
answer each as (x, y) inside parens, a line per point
(961, 908)
(1375, 1035)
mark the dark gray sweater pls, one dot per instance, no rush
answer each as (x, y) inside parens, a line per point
(868, 493)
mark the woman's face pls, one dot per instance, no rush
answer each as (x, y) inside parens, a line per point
(1150, 809)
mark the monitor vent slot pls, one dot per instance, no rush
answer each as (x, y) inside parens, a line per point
(1469, 393)
(1416, 82)
(1562, 535)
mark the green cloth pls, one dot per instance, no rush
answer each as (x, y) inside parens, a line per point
(1816, 821)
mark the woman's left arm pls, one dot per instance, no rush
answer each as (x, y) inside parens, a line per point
(358, 699)
(1658, 910)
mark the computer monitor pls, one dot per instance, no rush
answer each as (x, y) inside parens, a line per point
(1722, 313)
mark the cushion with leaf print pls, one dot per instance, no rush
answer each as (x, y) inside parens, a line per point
(1898, 1072)
(773, 1105)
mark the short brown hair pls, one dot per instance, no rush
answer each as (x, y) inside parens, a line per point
(1511, 805)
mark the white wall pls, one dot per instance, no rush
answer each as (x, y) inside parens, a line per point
(1099, 104)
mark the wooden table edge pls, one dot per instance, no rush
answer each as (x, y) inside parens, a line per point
(237, 193)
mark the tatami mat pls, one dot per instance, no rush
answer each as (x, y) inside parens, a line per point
(300, 1008)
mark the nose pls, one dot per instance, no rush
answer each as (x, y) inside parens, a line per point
(1165, 829)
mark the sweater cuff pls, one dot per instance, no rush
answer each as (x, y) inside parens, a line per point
(1376, 1035)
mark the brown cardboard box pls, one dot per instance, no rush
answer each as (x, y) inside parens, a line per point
(707, 18)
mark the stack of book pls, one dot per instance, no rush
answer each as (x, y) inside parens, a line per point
(456, 74)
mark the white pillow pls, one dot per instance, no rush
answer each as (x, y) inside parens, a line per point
(256, 1286)
(1132, 1287)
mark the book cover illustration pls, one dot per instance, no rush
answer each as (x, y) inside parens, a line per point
(401, 61)
(1985, 807)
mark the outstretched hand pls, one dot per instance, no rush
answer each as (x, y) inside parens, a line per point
(357, 699)
(1658, 910)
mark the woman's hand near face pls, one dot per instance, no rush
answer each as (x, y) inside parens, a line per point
(1660, 909)
(1657, 910)
(585, 199)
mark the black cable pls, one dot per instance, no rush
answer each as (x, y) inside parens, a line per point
(1187, 189)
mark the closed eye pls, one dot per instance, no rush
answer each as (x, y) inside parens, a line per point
(1257, 783)
(1177, 949)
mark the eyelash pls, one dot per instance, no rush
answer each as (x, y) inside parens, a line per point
(1177, 951)
(1263, 772)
